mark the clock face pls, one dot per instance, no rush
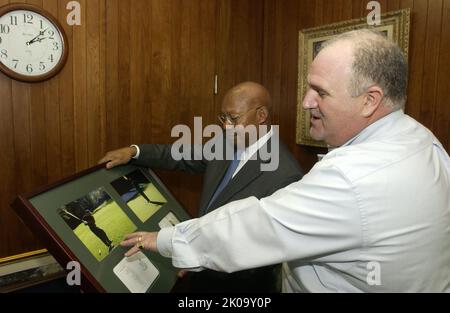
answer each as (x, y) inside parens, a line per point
(31, 45)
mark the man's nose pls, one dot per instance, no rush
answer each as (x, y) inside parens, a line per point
(309, 101)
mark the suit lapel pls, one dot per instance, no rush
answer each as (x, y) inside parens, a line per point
(218, 170)
(248, 173)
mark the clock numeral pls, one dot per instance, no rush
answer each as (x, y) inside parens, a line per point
(4, 54)
(4, 29)
(55, 46)
(41, 66)
(16, 62)
(1, 40)
(42, 24)
(29, 68)
(14, 20)
(50, 58)
(51, 34)
(28, 19)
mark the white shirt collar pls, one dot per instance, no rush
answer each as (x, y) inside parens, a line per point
(250, 151)
(373, 129)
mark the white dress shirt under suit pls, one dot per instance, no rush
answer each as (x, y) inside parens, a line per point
(373, 215)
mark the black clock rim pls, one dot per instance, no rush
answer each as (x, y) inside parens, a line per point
(65, 44)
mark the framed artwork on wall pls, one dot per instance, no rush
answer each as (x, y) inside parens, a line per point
(395, 25)
(83, 219)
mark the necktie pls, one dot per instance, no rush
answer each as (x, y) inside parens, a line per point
(225, 180)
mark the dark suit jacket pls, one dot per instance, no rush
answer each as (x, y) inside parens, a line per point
(249, 181)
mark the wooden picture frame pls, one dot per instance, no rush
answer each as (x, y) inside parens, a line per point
(115, 202)
(395, 24)
(28, 270)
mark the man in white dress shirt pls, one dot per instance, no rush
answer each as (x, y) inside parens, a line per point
(372, 216)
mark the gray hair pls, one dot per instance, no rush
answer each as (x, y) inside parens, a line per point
(379, 61)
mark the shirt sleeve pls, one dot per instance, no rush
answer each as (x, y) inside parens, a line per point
(137, 153)
(314, 218)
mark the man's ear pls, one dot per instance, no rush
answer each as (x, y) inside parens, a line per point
(374, 98)
(262, 114)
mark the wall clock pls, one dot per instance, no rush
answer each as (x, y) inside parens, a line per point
(33, 44)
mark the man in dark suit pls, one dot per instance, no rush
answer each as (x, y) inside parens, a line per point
(228, 180)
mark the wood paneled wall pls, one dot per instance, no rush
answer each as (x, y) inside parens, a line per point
(136, 68)
(37, 138)
(429, 58)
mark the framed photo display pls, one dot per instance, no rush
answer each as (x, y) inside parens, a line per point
(84, 218)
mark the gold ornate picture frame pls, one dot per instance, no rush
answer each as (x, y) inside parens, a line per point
(394, 24)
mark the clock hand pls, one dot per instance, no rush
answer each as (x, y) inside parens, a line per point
(41, 33)
(29, 43)
(35, 40)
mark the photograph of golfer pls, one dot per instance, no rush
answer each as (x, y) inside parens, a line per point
(98, 221)
(139, 194)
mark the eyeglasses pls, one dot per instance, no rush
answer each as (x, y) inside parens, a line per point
(227, 118)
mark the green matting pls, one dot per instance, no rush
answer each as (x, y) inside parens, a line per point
(116, 218)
